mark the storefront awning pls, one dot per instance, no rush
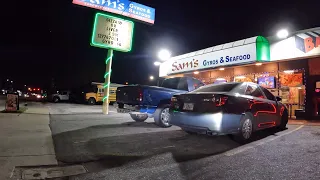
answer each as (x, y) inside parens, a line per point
(244, 51)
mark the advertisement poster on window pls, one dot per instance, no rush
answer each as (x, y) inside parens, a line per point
(291, 80)
(293, 95)
(12, 102)
(267, 82)
(284, 94)
(244, 79)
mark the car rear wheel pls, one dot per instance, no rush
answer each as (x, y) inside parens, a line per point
(284, 121)
(91, 101)
(139, 117)
(245, 129)
(56, 99)
(161, 116)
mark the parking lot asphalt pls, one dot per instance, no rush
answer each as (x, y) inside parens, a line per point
(115, 147)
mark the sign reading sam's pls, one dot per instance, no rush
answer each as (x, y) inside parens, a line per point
(122, 7)
(238, 52)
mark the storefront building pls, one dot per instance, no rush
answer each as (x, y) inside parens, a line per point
(289, 68)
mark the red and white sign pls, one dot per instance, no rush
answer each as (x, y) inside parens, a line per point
(299, 45)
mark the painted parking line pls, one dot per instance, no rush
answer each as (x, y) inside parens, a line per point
(251, 146)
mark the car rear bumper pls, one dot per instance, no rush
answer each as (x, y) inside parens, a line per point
(208, 123)
(140, 108)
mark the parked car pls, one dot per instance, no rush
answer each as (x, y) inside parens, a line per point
(229, 108)
(60, 96)
(151, 101)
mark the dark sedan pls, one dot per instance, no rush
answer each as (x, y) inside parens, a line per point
(229, 108)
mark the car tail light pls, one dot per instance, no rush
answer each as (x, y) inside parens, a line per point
(140, 98)
(220, 101)
(174, 99)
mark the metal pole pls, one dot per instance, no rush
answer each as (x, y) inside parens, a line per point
(105, 107)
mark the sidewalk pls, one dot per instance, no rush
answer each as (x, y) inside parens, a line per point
(303, 122)
(25, 140)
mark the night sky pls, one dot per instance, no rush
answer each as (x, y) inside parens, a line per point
(51, 39)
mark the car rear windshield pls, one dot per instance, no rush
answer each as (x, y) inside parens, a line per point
(217, 88)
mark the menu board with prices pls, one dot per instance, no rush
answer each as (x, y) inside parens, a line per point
(112, 33)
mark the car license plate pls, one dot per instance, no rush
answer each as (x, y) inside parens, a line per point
(188, 106)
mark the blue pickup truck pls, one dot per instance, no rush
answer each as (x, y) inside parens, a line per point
(142, 102)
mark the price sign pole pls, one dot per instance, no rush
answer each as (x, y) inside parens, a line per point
(112, 33)
(105, 107)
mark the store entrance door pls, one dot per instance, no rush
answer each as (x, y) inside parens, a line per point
(314, 85)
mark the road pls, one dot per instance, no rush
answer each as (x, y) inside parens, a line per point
(114, 147)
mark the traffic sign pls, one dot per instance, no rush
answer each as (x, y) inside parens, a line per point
(112, 33)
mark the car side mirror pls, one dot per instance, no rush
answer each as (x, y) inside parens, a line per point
(279, 98)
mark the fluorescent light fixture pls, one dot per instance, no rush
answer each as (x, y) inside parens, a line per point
(240, 77)
(196, 72)
(258, 64)
(164, 54)
(220, 79)
(289, 71)
(221, 69)
(283, 33)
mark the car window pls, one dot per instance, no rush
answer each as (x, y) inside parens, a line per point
(183, 84)
(241, 88)
(171, 83)
(197, 83)
(100, 90)
(254, 90)
(217, 88)
(268, 94)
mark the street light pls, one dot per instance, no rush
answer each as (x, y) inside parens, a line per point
(151, 78)
(157, 63)
(11, 81)
(282, 34)
(164, 54)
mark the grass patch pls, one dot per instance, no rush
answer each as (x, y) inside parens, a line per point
(21, 110)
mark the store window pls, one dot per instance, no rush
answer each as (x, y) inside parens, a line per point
(246, 78)
(292, 89)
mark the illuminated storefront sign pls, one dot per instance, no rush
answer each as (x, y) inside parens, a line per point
(299, 45)
(235, 53)
(122, 7)
(112, 32)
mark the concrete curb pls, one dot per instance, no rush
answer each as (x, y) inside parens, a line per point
(304, 122)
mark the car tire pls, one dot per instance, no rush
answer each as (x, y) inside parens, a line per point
(56, 99)
(245, 130)
(91, 101)
(139, 117)
(161, 116)
(284, 121)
